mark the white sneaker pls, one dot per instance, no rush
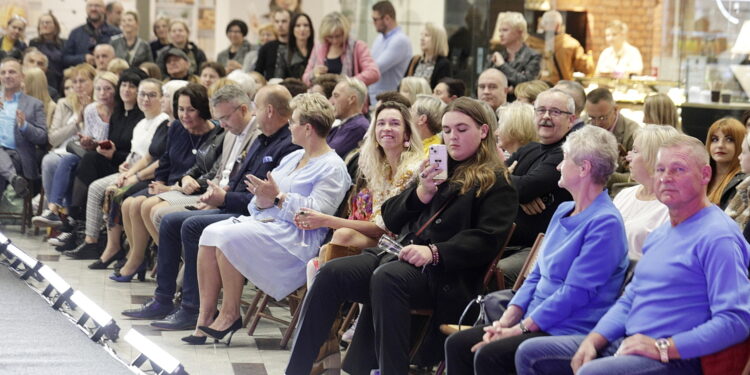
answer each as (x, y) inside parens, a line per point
(60, 240)
(349, 334)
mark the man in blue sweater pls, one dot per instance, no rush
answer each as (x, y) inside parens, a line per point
(688, 297)
(180, 231)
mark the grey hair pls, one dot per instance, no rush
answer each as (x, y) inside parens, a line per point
(570, 103)
(431, 107)
(696, 147)
(357, 87)
(230, 93)
(245, 81)
(575, 90)
(596, 145)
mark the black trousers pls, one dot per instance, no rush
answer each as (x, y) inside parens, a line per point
(496, 358)
(388, 291)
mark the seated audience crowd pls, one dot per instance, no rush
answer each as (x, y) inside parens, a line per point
(313, 162)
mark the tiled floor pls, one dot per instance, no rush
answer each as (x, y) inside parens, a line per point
(259, 354)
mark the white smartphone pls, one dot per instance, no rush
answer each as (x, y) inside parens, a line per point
(439, 156)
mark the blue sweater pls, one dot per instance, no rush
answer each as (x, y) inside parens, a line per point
(691, 284)
(580, 269)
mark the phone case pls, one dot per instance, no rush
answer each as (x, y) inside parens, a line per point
(439, 156)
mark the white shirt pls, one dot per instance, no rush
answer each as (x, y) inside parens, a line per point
(142, 134)
(629, 61)
(640, 217)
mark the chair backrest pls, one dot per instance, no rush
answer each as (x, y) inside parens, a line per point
(628, 275)
(528, 265)
(492, 267)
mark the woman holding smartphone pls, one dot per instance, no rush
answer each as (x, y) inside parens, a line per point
(441, 268)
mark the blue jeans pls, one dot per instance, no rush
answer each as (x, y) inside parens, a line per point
(62, 182)
(179, 235)
(552, 355)
(49, 166)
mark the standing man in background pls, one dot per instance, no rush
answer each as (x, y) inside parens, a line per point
(391, 49)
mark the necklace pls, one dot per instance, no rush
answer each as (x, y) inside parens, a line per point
(195, 148)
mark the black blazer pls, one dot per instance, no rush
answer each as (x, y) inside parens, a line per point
(442, 69)
(468, 235)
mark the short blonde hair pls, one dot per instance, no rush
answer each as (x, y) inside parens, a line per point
(414, 86)
(439, 39)
(649, 139)
(513, 19)
(316, 110)
(530, 89)
(516, 123)
(333, 22)
(659, 109)
(117, 65)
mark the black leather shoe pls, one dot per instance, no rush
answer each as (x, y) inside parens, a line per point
(85, 251)
(150, 310)
(179, 320)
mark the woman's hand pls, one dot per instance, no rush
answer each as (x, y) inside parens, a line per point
(416, 255)
(87, 143)
(189, 185)
(123, 167)
(158, 187)
(265, 191)
(428, 185)
(497, 59)
(308, 219)
(107, 153)
(320, 69)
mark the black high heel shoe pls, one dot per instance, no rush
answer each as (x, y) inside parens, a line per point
(99, 265)
(196, 340)
(218, 335)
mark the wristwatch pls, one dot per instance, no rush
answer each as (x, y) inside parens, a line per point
(523, 327)
(663, 346)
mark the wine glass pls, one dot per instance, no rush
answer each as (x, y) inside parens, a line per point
(301, 214)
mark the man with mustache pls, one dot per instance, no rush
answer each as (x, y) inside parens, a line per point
(535, 177)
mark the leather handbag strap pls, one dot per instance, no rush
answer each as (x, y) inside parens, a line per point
(433, 217)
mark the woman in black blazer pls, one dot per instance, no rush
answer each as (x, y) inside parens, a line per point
(433, 64)
(440, 269)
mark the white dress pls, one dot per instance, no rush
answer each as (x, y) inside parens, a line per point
(640, 217)
(265, 246)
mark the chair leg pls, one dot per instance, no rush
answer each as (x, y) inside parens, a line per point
(252, 309)
(441, 368)
(258, 312)
(295, 318)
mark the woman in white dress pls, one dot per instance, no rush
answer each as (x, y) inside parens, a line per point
(266, 247)
(640, 210)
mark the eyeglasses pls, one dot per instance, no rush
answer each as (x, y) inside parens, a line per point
(148, 95)
(226, 117)
(599, 119)
(553, 112)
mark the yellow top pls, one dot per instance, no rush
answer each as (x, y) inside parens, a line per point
(7, 44)
(427, 142)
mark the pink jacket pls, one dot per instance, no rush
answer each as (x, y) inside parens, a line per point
(356, 62)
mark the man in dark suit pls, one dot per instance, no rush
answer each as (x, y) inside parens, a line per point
(22, 128)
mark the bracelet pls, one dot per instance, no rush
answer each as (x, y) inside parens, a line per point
(435, 254)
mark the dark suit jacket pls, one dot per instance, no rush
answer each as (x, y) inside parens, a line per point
(468, 235)
(30, 136)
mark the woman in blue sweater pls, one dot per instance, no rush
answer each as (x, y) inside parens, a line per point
(579, 271)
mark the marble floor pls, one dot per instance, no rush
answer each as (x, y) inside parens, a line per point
(258, 354)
